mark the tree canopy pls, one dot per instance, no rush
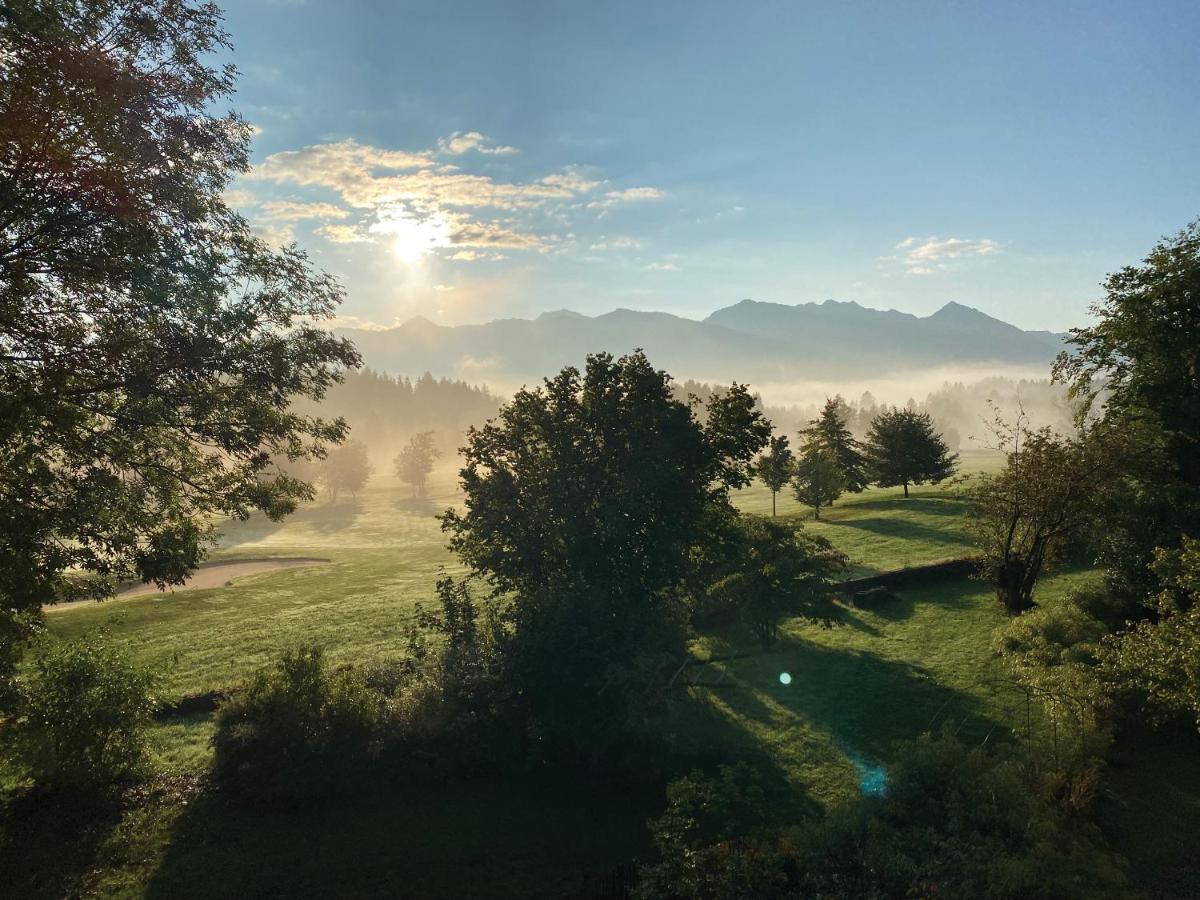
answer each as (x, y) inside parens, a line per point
(415, 461)
(904, 448)
(774, 467)
(830, 431)
(150, 345)
(818, 479)
(585, 501)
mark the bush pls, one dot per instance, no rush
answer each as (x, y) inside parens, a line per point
(82, 715)
(298, 731)
(957, 822)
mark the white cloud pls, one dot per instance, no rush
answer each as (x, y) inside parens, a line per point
(616, 243)
(924, 256)
(628, 195)
(343, 234)
(464, 141)
(443, 288)
(420, 204)
(662, 267)
(635, 193)
(296, 211)
(275, 235)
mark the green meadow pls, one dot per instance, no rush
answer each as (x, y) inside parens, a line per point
(922, 663)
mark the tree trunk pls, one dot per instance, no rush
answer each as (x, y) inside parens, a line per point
(817, 512)
(906, 489)
(772, 504)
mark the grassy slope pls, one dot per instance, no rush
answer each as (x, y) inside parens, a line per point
(922, 663)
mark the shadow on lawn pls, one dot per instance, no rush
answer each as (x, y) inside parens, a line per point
(324, 518)
(861, 699)
(903, 528)
(518, 838)
(926, 506)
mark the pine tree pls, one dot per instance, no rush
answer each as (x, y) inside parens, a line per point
(830, 432)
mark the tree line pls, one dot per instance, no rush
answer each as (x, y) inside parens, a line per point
(902, 448)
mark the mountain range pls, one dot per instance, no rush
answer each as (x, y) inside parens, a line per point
(750, 341)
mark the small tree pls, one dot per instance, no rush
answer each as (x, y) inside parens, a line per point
(903, 448)
(774, 467)
(829, 431)
(415, 461)
(819, 479)
(347, 468)
(1025, 516)
(778, 570)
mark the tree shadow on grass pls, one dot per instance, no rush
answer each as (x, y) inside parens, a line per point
(524, 837)
(325, 518)
(49, 843)
(864, 701)
(418, 506)
(928, 506)
(906, 529)
(951, 594)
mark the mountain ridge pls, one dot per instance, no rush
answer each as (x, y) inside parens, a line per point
(748, 341)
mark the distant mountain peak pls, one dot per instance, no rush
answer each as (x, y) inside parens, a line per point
(561, 314)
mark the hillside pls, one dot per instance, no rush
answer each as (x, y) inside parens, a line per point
(749, 341)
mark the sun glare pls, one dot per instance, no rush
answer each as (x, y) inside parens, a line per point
(413, 239)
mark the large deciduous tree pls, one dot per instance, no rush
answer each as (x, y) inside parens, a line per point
(586, 502)
(774, 467)
(1138, 367)
(829, 430)
(347, 468)
(904, 448)
(150, 345)
(415, 461)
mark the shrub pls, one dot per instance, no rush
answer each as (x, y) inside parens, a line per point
(82, 714)
(298, 731)
(957, 822)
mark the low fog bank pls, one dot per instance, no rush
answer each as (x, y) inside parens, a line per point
(385, 411)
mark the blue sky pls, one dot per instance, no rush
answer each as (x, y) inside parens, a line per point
(470, 161)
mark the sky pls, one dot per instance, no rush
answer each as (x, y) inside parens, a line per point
(467, 161)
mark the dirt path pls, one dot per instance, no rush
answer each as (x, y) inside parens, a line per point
(209, 575)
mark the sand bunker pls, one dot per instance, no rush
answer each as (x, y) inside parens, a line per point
(211, 575)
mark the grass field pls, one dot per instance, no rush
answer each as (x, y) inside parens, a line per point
(923, 663)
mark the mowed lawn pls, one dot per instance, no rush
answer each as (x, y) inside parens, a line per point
(385, 553)
(921, 663)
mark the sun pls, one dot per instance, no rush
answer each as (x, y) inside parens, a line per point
(413, 239)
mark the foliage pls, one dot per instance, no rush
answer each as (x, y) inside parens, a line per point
(1138, 365)
(415, 462)
(830, 432)
(775, 571)
(585, 500)
(715, 841)
(1161, 657)
(1053, 654)
(818, 479)
(1027, 515)
(298, 731)
(81, 715)
(956, 822)
(347, 468)
(150, 345)
(902, 448)
(774, 467)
